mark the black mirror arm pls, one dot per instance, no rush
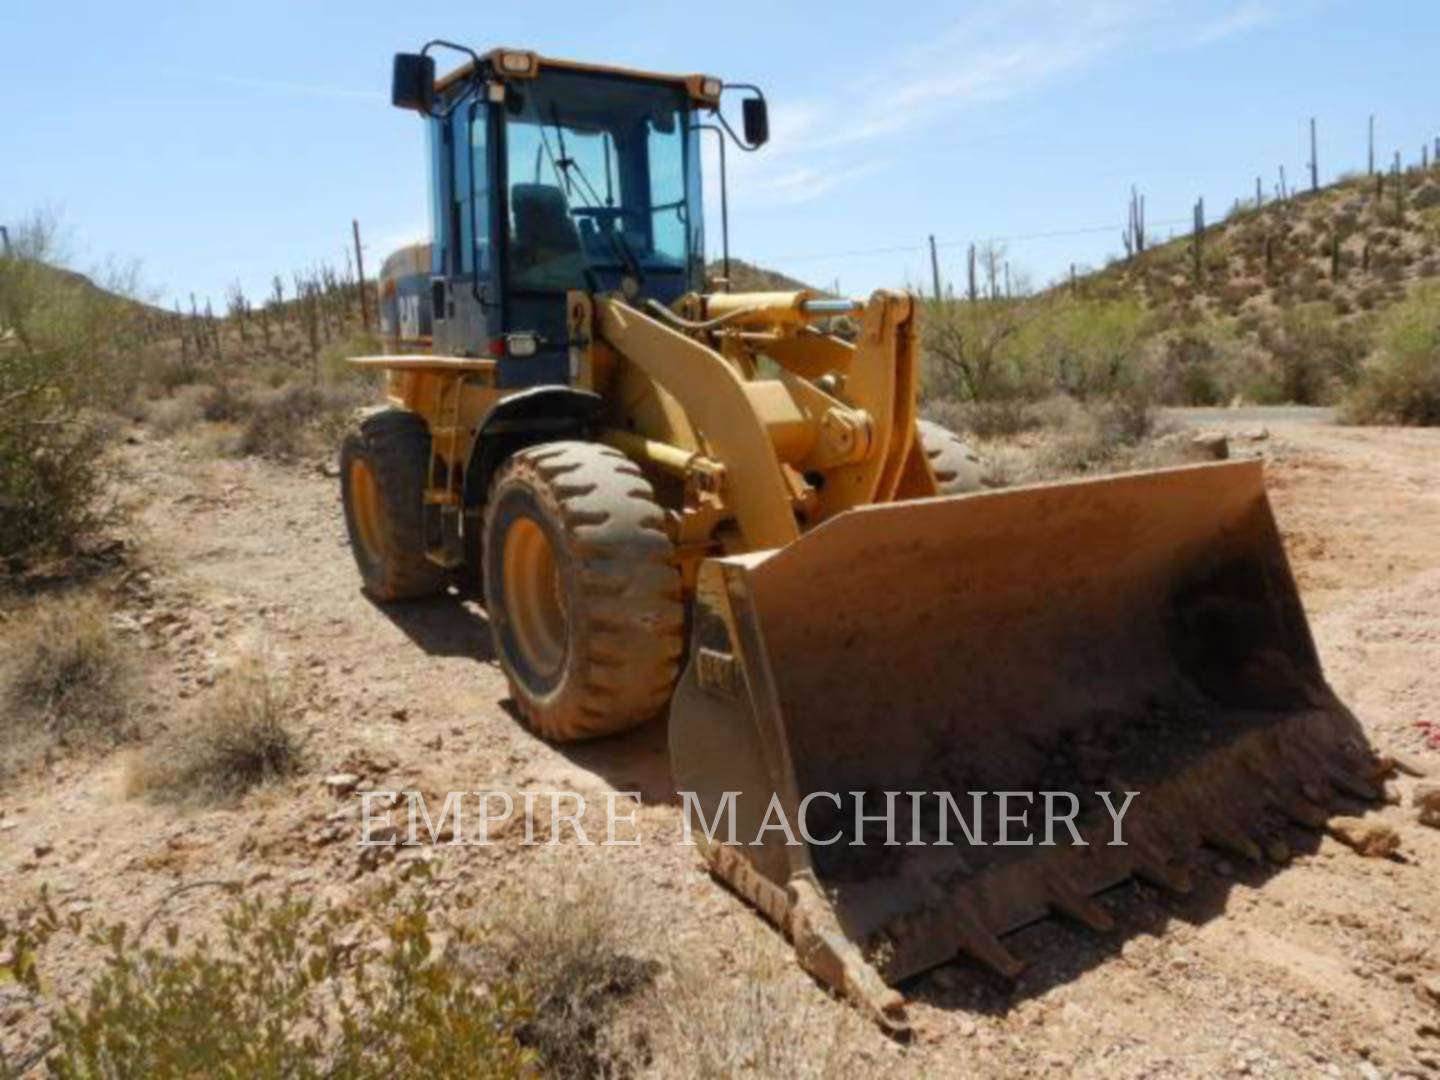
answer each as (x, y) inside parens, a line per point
(724, 194)
(439, 43)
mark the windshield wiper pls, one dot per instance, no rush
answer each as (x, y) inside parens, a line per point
(563, 164)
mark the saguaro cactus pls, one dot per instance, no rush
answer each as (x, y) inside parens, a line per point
(1198, 241)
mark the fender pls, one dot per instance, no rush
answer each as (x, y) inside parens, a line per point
(539, 414)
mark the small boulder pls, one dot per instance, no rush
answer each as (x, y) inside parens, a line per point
(1430, 987)
(1426, 800)
(1210, 445)
(341, 783)
(1369, 837)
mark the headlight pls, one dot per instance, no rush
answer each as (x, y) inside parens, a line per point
(517, 63)
(521, 345)
(711, 87)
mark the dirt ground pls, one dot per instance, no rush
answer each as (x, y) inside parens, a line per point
(1330, 966)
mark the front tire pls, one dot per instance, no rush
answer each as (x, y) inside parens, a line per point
(382, 486)
(956, 468)
(582, 590)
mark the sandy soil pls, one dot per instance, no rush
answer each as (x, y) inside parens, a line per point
(1330, 966)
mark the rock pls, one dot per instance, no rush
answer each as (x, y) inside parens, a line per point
(1426, 799)
(400, 715)
(1431, 988)
(1211, 444)
(1408, 765)
(41, 850)
(1255, 434)
(341, 783)
(382, 834)
(327, 835)
(1371, 838)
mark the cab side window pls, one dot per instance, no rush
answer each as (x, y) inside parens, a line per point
(479, 142)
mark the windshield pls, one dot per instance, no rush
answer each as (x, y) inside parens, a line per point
(597, 171)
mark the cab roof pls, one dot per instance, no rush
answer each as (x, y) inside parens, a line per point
(524, 64)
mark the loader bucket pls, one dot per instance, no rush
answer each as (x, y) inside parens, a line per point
(1137, 633)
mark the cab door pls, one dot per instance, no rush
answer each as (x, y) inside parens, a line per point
(464, 292)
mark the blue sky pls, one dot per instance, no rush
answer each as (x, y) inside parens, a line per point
(219, 142)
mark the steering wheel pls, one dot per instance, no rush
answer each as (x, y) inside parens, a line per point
(607, 214)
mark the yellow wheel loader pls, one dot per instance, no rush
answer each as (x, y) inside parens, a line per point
(707, 504)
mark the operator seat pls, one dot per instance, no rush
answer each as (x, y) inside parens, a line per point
(546, 253)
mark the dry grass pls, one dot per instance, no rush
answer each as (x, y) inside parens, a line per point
(293, 420)
(68, 680)
(1024, 442)
(237, 737)
(611, 996)
(255, 417)
(771, 1021)
(169, 416)
(571, 951)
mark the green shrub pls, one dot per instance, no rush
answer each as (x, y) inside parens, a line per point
(1400, 383)
(333, 357)
(63, 346)
(965, 350)
(1027, 349)
(1083, 347)
(286, 991)
(1315, 355)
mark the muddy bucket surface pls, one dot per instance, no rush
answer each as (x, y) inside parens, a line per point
(1139, 633)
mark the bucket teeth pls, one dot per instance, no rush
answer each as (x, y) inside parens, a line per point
(982, 945)
(1277, 851)
(1156, 870)
(1071, 902)
(1348, 783)
(1227, 838)
(1303, 812)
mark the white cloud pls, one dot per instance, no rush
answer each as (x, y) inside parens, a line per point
(1239, 21)
(994, 53)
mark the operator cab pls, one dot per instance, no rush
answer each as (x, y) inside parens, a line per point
(546, 177)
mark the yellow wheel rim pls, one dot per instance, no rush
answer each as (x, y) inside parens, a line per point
(365, 506)
(534, 599)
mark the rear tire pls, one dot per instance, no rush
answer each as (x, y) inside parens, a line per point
(382, 487)
(957, 469)
(582, 590)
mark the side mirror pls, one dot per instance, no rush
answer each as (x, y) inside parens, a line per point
(413, 84)
(757, 121)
